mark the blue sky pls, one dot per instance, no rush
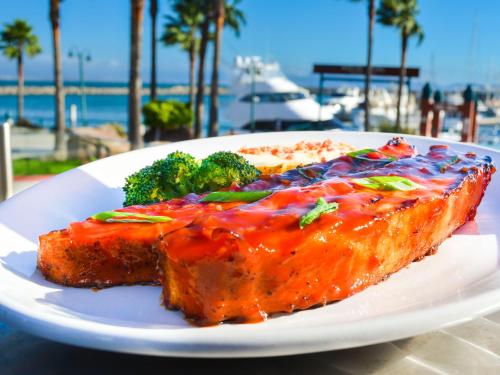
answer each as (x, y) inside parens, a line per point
(461, 44)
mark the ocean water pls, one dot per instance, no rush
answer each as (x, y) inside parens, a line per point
(39, 109)
(87, 83)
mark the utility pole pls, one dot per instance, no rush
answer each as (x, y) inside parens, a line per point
(82, 56)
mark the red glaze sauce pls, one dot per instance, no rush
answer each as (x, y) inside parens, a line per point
(185, 210)
(252, 260)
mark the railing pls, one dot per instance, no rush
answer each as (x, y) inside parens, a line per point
(5, 162)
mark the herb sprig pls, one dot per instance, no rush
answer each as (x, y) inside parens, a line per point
(236, 196)
(322, 207)
(361, 155)
(129, 217)
(387, 183)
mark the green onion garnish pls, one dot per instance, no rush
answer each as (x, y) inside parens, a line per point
(129, 217)
(363, 151)
(359, 154)
(322, 207)
(235, 196)
(444, 165)
(387, 183)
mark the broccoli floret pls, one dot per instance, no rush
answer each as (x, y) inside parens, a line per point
(165, 179)
(180, 174)
(221, 169)
(175, 174)
(140, 187)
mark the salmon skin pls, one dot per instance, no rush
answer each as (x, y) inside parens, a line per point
(96, 254)
(251, 261)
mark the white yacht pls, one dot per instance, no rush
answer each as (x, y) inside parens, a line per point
(278, 103)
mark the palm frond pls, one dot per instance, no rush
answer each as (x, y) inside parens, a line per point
(18, 37)
(181, 28)
(402, 15)
(234, 17)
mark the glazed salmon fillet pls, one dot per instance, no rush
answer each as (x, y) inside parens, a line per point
(254, 260)
(92, 253)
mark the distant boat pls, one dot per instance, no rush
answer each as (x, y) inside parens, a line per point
(278, 103)
(344, 99)
(383, 103)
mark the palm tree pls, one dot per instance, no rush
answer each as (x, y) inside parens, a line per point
(134, 96)
(190, 29)
(225, 14)
(182, 30)
(402, 15)
(200, 88)
(153, 12)
(17, 39)
(54, 15)
(368, 74)
(214, 84)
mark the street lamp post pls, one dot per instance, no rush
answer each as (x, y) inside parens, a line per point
(82, 56)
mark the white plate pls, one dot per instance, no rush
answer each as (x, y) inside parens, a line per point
(459, 283)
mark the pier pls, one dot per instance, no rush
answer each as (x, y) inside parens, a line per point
(98, 90)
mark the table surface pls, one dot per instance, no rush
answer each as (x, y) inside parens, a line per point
(470, 348)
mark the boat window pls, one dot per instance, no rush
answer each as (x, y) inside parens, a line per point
(274, 97)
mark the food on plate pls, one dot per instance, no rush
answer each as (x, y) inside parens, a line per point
(97, 253)
(103, 251)
(284, 242)
(279, 159)
(311, 245)
(180, 174)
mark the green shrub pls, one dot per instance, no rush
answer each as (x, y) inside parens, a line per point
(386, 127)
(167, 114)
(389, 127)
